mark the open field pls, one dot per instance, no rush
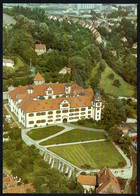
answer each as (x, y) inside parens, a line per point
(75, 135)
(8, 19)
(90, 155)
(40, 133)
(125, 89)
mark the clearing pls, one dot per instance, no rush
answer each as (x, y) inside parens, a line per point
(126, 89)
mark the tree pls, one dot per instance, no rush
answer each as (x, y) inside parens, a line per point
(111, 76)
(117, 83)
(115, 134)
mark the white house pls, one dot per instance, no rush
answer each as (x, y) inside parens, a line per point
(41, 104)
(40, 49)
(65, 70)
(8, 63)
(88, 182)
(124, 39)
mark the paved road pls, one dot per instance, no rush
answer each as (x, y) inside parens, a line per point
(72, 143)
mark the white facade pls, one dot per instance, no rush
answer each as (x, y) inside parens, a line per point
(8, 63)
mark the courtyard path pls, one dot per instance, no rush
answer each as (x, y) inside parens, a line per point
(72, 143)
(68, 127)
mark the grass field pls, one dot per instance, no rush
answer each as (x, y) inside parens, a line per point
(40, 133)
(91, 155)
(88, 123)
(124, 90)
(75, 135)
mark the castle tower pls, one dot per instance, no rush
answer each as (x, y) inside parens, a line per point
(38, 80)
(97, 106)
(67, 88)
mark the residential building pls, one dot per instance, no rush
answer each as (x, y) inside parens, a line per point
(114, 52)
(9, 182)
(123, 129)
(107, 183)
(135, 45)
(88, 183)
(8, 63)
(65, 70)
(41, 104)
(124, 39)
(40, 49)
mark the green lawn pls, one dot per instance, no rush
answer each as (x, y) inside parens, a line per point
(74, 135)
(40, 133)
(88, 123)
(91, 155)
(124, 90)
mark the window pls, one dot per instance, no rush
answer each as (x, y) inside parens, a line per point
(76, 117)
(49, 91)
(31, 122)
(50, 116)
(38, 114)
(43, 113)
(76, 110)
(89, 107)
(50, 112)
(42, 121)
(98, 104)
(71, 114)
(89, 112)
(38, 121)
(98, 108)
(31, 114)
(58, 119)
(97, 113)
(63, 95)
(82, 109)
(83, 117)
(76, 113)
(65, 105)
(58, 112)
(82, 112)
(50, 120)
(72, 110)
(35, 125)
(71, 118)
(58, 115)
(64, 111)
(57, 96)
(50, 97)
(89, 116)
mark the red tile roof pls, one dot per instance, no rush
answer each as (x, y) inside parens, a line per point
(106, 177)
(87, 180)
(40, 46)
(29, 105)
(38, 77)
(21, 189)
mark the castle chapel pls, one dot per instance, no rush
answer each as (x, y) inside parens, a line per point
(42, 104)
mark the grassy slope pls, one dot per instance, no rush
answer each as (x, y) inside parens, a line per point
(74, 135)
(41, 133)
(124, 90)
(96, 155)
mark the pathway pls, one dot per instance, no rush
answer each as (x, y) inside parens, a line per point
(5, 105)
(72, 143)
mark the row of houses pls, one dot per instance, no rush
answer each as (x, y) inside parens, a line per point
(87, 24)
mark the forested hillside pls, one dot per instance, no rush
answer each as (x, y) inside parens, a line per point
(68, 45)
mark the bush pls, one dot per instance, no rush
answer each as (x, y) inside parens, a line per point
(117, 83)
(121, 164)
(111, 76)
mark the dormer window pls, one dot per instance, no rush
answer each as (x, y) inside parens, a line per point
(30, 90)
(49, 91)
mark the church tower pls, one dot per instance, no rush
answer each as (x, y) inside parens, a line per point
(38, 80)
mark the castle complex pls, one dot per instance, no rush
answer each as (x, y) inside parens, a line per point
(41, 104)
